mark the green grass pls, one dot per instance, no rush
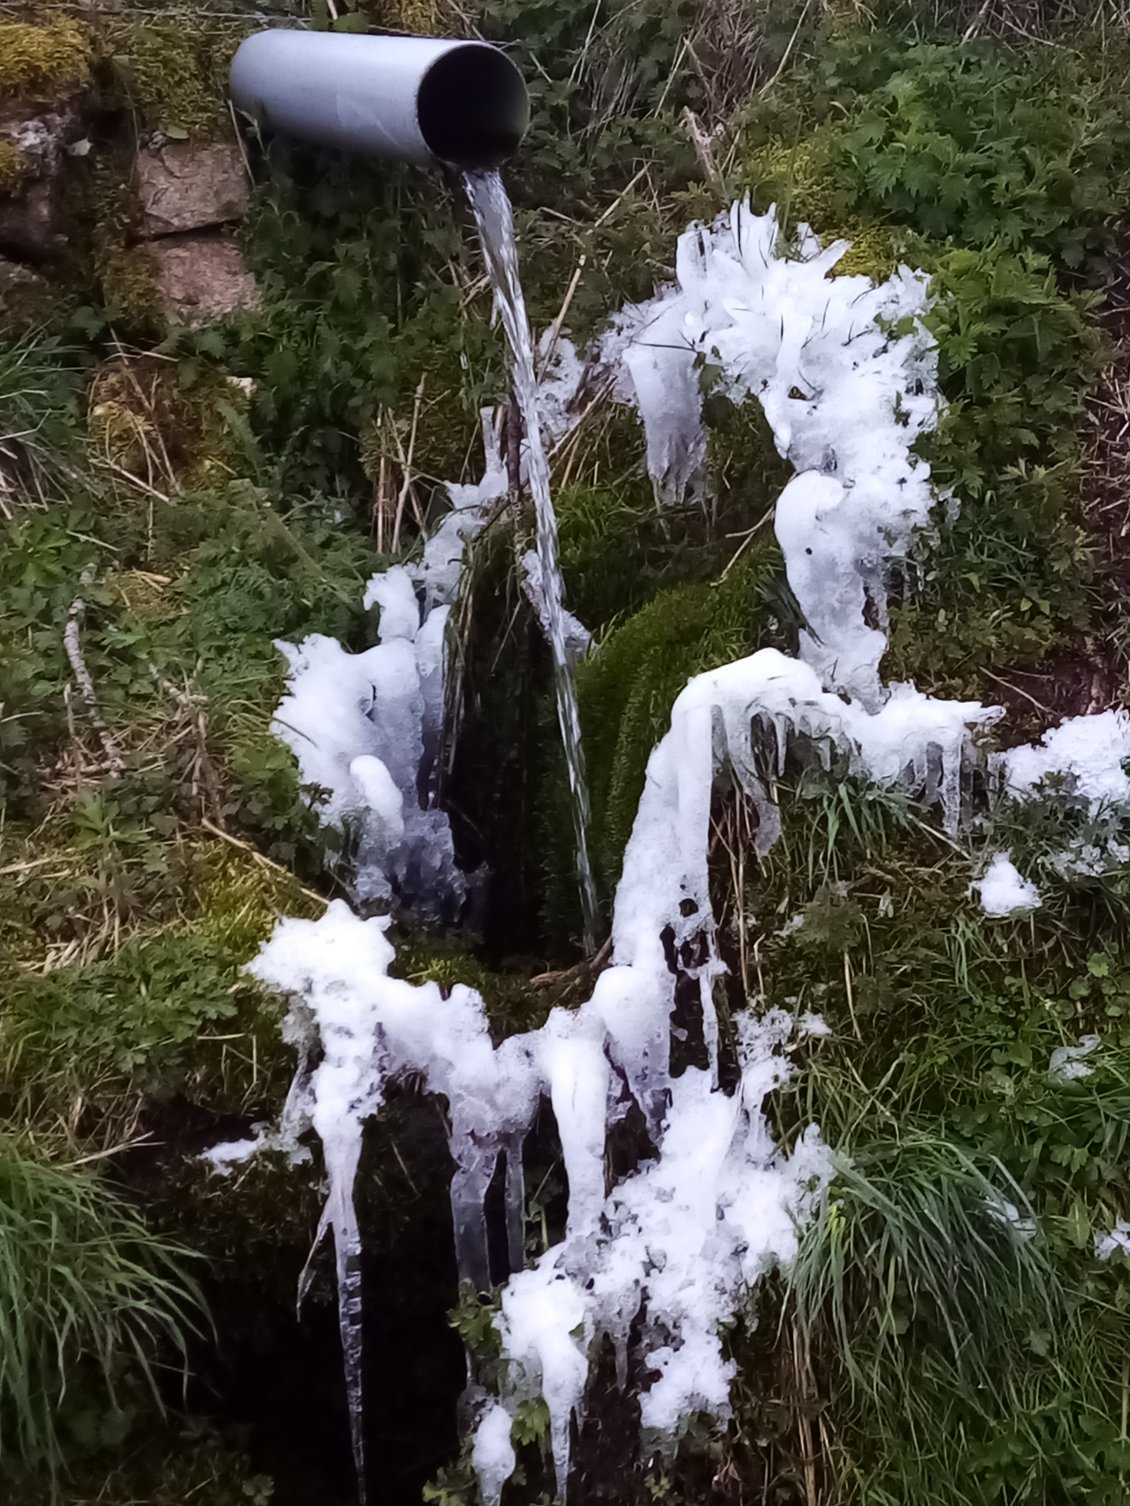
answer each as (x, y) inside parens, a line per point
(93, 1308)
(39, 403)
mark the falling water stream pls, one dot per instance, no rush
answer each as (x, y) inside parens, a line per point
(495, 220)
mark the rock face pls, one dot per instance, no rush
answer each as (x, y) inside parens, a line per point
(32, 220)
(17, 281)
(185, 187)
(201, 277)
(186, 193)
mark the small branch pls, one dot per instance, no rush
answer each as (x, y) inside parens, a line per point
(555, 327)
(82, 677)
(703, 150)
(788, 52)
(975, 25)
(406, 462)
(260, 857)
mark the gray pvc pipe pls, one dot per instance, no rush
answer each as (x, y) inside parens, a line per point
(412, 99)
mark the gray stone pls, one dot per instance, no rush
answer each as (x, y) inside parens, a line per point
(201, 277)
(183, 187)
(32, 221)
(17, 279)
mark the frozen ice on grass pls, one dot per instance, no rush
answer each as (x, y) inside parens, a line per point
(492, 1456)
(845, 372)
(1068, 1063)
(1081, 764)
(1086, 756)
(672, 1252)
(1116, 1242)
(230, 1153)
(1004, 891)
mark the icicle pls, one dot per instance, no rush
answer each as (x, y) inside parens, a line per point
(474, 1168)
(577, 1074)
(515, 1204)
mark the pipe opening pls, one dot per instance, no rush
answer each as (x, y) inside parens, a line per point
(472, 107)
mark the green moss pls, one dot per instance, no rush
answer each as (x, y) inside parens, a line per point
(168, 1011)
(419, 16)
(797, 178)
(156, 417)
(174, 73)
(261, 1216)
(125, 270)
(40, 58)
(511, 1003)
(626, 689)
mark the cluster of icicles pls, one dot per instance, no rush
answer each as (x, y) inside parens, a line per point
(667, 1257)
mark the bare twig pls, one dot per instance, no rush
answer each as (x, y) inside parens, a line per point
(788, 52)
(975, 25)
(85, 684)
(555, 327)
(406, 462)
(703, 149)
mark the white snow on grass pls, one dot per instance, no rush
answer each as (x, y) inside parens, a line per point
(1084, 756)
(1080, 766)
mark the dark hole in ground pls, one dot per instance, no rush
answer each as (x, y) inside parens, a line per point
(277, 1381)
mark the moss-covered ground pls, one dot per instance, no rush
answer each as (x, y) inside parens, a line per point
(172, 524)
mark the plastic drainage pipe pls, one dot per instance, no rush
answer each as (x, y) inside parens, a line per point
(412, 99)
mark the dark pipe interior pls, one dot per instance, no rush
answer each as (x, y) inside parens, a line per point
(472, 107)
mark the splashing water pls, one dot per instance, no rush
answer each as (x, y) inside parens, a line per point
(495, 220)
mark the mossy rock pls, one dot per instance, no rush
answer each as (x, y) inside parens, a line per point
(11, 168)
(40, 61)
(124, 268)
(173, 73)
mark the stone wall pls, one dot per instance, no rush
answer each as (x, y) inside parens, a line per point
(105, 198)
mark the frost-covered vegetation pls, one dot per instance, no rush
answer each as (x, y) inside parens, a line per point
(890, 931)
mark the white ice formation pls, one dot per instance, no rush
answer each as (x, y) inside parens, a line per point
(1117, 1242)
(1082, 766)
(1068, 1063)
(845, 372)
(1004, 891)
(365, 728)
(1084, 757)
